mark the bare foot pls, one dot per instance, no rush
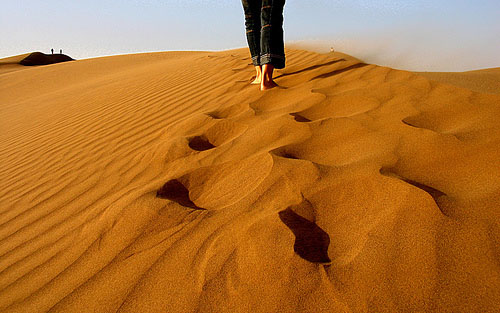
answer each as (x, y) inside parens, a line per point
(267, 84)
(258, 76)
(267, 81)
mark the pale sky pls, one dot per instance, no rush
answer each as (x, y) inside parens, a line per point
(434, 35)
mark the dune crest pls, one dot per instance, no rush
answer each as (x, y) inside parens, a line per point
(165, 182)
(18, 62)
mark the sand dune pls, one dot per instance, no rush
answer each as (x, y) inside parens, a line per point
(39, 58)
(11, 64)
(165, 182)
(18, 62)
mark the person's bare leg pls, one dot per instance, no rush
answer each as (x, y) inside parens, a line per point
(267, 77)
(258, 76)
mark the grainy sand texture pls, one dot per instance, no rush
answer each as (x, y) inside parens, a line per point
(165, 182)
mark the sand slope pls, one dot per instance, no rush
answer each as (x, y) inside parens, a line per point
(39, 58)
(486, 81)
(166, 183)
(11, 64)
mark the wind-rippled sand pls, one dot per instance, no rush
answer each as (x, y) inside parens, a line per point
(165, 182)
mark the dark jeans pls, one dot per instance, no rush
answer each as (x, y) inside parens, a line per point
(264, 25)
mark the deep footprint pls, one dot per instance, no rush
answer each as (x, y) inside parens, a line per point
(289, 156)
(408, 123)
(285, 154)
(200, 143)
(311, 242)
(299, 118)
(214, 115)
(174, 190)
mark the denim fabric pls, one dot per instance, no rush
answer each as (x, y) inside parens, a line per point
(264, 27)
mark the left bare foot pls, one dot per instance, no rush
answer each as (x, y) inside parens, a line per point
(258, 76)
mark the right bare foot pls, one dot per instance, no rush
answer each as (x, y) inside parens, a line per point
(267, 77)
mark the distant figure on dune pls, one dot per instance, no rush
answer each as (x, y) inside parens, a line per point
(60, 51)
(52, 50)
(264, 30)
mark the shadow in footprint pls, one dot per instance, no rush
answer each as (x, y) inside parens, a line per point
(289, 156)
(285, 154)
(200, 143)
(174, 190)
(406, 122)
(311, 242)
(299, 118)
(214, 115)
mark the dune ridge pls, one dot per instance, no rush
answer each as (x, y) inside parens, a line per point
(39, 58)
(165, 182)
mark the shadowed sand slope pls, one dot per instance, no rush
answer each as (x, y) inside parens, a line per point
(165, 182)
(39, 58)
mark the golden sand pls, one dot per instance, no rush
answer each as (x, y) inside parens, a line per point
(165, 182)
(485, 81)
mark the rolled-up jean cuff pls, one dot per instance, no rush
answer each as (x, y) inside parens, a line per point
(278, 61)
(256, 60)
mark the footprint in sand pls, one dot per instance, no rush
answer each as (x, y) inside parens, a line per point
(218, 186)
(311, 242)
(200, 143)
(435, 124)
(221, 132)
(299, 118)
(174, 190)
(286, 152)
(288, 155)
